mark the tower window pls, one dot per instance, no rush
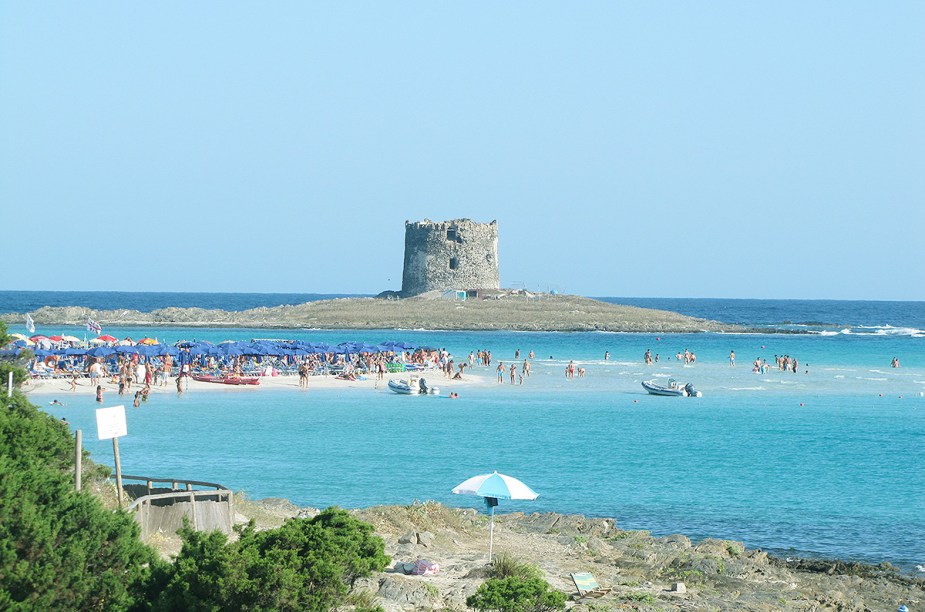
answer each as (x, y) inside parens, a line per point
(454, 263)
(451, 234)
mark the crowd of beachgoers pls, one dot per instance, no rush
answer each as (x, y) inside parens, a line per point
(145, 364)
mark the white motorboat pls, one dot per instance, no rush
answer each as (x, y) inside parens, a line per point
(413, 386)
(673, 389)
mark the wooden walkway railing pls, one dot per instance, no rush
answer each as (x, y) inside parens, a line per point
(162, 509)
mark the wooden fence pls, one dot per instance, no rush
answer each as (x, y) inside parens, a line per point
(162, 509)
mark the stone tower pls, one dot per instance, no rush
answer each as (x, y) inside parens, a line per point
(458, 254)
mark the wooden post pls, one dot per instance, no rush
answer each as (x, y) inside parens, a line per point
(192, 499)
(9, 386)
(115, 451)
(78, 459)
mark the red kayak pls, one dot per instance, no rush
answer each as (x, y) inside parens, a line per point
(227, 380)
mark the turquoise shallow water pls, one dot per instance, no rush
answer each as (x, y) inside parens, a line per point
(825, 462)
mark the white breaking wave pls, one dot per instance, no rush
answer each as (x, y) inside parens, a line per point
(873, 330)
(889, 330)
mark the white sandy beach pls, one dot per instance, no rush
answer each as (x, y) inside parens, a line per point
(60, 387)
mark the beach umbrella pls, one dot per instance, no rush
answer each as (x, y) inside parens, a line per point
(70, 339)
(107, 338)
(22, 338)
(394, 345)
(229, 349)
(56, 338)
(493, 487)
(148, 341)
(151, 350)
(101, 351)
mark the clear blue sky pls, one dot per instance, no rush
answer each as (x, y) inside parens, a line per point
(665, 149)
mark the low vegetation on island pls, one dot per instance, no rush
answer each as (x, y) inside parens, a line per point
(503, 310)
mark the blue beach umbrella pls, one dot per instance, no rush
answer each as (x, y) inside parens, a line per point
(101, 351)
(493, 487)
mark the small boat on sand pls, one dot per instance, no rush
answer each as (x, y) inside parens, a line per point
(673, 389)
(413, 386)
(227, 380)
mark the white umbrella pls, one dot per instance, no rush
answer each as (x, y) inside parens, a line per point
(493, 487)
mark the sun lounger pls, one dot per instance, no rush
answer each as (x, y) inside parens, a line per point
(588, 587)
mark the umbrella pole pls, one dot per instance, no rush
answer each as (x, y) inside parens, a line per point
(491, 534)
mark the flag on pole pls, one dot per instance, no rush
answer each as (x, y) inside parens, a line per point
(30, 324)
(94, 326)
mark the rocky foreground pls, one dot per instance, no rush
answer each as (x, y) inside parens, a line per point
(646, 573)
(516, 311)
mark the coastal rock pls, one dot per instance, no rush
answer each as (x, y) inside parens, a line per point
(409, 592)
(409, 538)
(681, 541)
(717, 574)
(567, 524)
(279, 506)
(425, 539)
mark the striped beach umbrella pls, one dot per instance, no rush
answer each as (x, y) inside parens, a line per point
(493, 487)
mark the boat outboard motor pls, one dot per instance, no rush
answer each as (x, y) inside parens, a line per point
(422, 386)
(689, 387)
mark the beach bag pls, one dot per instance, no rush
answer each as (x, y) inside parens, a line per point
(424, 568)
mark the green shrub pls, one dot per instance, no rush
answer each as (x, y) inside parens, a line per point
(307, 564)
(16, 365)
(647, 598)
(505, 565)
(513, 594)
(59, 549)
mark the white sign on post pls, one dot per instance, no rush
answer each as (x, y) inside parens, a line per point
(110, 422)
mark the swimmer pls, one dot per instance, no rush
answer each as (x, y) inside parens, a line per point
(454, 395)
(55, 403)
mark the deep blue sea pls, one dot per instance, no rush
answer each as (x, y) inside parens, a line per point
(828, 461)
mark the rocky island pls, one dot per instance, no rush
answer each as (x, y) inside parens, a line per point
(496, 310)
